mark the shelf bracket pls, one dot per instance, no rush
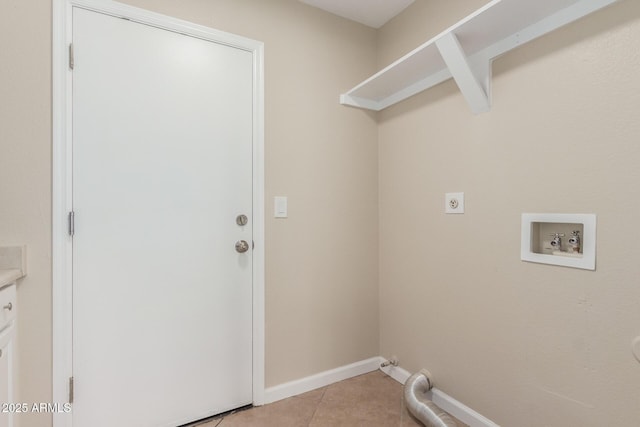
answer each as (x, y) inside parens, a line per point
(469, 75)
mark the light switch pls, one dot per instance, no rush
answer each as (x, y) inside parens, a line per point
(280, 207)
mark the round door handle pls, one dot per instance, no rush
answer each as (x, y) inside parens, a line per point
(242, 246)
(8, 307)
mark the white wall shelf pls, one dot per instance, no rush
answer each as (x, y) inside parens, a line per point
(465, 52)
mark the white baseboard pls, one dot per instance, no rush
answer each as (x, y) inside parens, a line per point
(397, 373)
(303, 385)
(444, 401)
(440, 398)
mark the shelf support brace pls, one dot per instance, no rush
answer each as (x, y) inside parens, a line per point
(468, 76)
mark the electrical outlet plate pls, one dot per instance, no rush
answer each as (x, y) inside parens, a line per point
(454, 203)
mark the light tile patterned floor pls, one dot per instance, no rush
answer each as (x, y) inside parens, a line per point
(368, 400)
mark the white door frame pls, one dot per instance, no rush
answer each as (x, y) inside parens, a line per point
(62, 182)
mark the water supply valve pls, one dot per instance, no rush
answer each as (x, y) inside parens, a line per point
(574, 241)
(556, 243)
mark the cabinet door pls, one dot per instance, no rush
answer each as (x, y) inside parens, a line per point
(7, 305)
(6, 377)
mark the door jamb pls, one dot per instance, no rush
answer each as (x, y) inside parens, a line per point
(62, 183)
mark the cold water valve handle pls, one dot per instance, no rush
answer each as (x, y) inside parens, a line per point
(574, 241)
(557, 241)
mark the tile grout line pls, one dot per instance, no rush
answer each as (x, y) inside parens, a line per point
(317, 405)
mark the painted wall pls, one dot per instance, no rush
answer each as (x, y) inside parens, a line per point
(25, 182)
(322, 275)
(524, 344)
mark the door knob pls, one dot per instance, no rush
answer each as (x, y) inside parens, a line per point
(242, 246)
(8, 307)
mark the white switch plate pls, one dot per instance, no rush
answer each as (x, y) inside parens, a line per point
(280, 207)
(454, 203)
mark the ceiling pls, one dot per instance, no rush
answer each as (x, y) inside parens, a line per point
(374, 13)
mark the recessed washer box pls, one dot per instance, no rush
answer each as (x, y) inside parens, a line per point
(550, 239)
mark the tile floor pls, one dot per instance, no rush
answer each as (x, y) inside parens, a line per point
(373, 399)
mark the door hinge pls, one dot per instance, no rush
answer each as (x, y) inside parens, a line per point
(70, 389)
(72, 62)
(71, 223)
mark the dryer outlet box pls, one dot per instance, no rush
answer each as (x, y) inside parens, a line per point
(454, 203)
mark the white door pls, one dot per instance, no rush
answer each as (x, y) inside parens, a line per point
(162, 166)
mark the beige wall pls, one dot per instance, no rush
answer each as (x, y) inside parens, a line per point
(25, 179)
(321, 272)
(524, 344)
